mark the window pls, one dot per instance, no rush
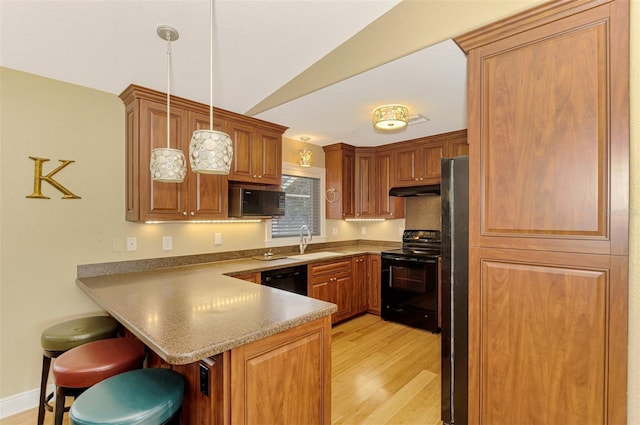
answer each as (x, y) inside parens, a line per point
(304, 203)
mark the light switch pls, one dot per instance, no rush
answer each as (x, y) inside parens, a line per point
(167, 243)
(217, 238)
(334, 231)
(363, 230)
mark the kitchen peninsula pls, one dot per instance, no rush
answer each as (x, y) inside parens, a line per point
(238, 344)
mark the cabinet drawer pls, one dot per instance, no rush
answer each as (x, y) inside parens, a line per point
(330, 267)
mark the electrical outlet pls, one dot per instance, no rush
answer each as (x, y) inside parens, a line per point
(334, 231)
(132, 244)
(217, 239)
(363, 230)
(167, 243)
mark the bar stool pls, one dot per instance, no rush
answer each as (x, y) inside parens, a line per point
(138, 397)
(86, 365)
(64, 336)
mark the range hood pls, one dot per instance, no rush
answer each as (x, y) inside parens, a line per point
(425, 190)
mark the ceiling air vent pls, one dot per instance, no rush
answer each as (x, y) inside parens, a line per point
(417, 119)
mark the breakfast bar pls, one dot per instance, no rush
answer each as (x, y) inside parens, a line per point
(249, 353)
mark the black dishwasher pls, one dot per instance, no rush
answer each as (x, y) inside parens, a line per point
(292, 279)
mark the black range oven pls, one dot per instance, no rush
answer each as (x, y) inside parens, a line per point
(410, 280)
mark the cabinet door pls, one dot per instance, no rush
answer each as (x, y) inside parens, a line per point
(321, 290)
(296, 364)
(360, 284)
(406, 162)
(249, 277)
(386, 206)
(548, 228)
(161, 201)
(430, 156)
(270, 157)
(364, 178)
(374, 295)
(348, 184)
(344, 296)
(546, 337)
(242, 137)
(457, 147)
(208, 193)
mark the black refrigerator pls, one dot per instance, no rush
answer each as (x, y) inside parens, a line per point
(454, 193)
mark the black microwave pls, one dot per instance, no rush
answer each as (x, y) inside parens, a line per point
(244, 202)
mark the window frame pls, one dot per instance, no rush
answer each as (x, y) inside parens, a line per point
(310, 172)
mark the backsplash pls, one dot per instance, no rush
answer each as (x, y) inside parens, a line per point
(422, 212)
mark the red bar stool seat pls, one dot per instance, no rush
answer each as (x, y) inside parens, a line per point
(86, 365)
(64, 336)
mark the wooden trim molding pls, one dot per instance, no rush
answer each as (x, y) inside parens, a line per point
(523, 21)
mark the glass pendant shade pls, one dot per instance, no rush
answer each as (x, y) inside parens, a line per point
(390, 117)
(168, 165)
(210, 152)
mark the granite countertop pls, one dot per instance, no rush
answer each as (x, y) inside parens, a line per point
(188, 313)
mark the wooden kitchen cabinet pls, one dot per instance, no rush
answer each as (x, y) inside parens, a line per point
(284, 378)
(257, 154)
(340, 181)
(365, 176)
(418, 163)
(199, 196)
(249, 277)
(360, 267)
(548, 228)
(332, 281)
(457, 145)
(374, 303)
(384, 171)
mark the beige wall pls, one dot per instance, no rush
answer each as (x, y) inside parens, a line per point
(42, 241)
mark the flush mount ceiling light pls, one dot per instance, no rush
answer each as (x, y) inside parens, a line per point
(210, 151)
(305, 155)
(390, 117)
(168, 165)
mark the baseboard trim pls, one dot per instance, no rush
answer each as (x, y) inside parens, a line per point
(17, 403)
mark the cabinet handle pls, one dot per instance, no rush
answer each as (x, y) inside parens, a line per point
(184, 213)
(259, 177)
(193, 213)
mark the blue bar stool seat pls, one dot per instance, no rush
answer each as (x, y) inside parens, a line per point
(139, 397)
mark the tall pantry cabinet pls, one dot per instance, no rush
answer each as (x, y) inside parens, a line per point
(548, 130)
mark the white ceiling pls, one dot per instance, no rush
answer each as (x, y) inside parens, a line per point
(259, 46)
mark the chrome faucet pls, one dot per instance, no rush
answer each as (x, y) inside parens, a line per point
(304, 239)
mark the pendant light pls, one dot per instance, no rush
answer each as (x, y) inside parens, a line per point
(168, 165)
(210, 151)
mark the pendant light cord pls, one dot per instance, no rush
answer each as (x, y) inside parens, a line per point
(168, 90)
(211, 65)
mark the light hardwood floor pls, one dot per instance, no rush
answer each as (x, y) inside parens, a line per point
(382, 373)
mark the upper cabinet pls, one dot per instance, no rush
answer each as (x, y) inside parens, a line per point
(359, 178)
(340, 180)
(417, 162)
(257, 152)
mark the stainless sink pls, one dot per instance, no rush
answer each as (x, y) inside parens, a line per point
(316, 255)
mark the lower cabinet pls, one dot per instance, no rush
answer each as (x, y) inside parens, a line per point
(360, 283)
(284, 378)
(281, 379)
(374, 302)
(249, 277)
(332, 281)
(352, 284)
